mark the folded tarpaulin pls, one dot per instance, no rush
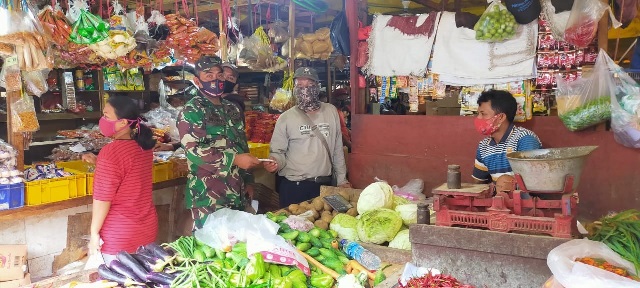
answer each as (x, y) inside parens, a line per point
(401, 46)
(461, 60)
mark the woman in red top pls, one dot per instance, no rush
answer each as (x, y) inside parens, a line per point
(124, 215)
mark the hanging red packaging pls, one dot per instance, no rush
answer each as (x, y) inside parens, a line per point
(583, 22)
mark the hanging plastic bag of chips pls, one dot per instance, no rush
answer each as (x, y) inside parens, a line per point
(23, 115)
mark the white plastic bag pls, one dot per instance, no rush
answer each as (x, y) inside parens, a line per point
(275, 249)
(412, 191)
(226, 227)
(625, 109)
(572, 274)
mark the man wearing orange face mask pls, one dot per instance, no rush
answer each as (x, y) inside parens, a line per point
(496, 112)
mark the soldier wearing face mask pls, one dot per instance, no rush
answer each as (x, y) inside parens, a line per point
(212, 134)
(301, 159)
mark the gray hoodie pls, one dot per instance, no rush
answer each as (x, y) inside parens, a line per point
(299, 153)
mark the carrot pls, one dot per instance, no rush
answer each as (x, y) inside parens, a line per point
(357, 266)
(322, 268)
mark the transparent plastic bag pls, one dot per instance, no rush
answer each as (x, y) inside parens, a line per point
(583, 22)
(10, 77)
(278, 31)
(23, 115)
(88, 28)
(282, 100)
(496, 24)
(412, 191)
(625, 110)
(572, 274)
(36, 82)
(587, 101)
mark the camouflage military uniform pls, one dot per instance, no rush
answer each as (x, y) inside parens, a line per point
(212, 135)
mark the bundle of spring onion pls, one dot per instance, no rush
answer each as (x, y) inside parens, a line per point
(621, 232)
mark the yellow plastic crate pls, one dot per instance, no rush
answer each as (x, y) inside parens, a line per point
(162, 171)
(259, 150)
(46, 191)
(79, 167)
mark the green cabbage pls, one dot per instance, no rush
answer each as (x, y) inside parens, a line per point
(379, 226)
(397, 200)
(408, 213)
(401, 241)
(345, 225)
(376, 195)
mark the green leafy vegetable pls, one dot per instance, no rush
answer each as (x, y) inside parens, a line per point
(379, 226)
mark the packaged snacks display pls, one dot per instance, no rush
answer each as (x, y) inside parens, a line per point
(48, 171)
(8, 160)
(19, 29)
(189, 40)
(119, 41)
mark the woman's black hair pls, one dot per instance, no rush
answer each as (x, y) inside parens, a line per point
(125, 108)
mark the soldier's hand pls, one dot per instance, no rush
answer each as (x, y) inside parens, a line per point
(270, 166)
(246, 161)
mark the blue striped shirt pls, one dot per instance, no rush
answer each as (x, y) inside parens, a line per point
(491, 157)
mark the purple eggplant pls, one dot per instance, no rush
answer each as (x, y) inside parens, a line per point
(128, 261)
(141, 250)
(158, 251)
(151, 264)
(120, 268)
(107, 274)
(160, 278)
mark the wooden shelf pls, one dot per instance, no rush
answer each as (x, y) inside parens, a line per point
(27, 211)
(61, 116)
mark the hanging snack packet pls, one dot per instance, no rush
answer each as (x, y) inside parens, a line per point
(496, 24)
(23, 115)
(89, 28)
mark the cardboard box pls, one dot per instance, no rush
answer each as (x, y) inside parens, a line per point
(448, 102)
(17, 283)
(431, 108)
(13, 260)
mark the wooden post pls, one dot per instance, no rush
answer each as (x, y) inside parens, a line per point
(329, 82)
(15, 139)
(222, 23)
(292, 34)
(603, 43)
(351, 10)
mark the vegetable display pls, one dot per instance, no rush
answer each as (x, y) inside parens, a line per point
(433, 281)
(621, 232)
(604, 265)
(379, 226)
(496, 24)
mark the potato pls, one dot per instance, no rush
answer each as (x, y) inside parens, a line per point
(327, 207)
(346, 195)
(318, 204)
(352, 212)
(294, 207)
(327, 217)
(316, 216)
(335, 212)
(322, 224)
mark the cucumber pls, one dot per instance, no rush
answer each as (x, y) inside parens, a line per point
(327, 253)
(303, 246)
(332, 263)
(324, 235)
(290, 235)
(343, 259)
(315, 242)
(313, 252)
(320, 258)
(315, 232)
(303, 237)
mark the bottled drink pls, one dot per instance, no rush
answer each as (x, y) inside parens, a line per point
(363, 256)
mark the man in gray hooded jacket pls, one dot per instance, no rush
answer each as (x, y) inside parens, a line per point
(300, 157)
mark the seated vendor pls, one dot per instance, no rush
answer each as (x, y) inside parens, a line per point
(496, 112)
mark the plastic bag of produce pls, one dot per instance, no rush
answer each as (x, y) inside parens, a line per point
(625, 110)
(412, 191)
(583, 21)
(586, 101)
(572, 274)
(282, 100)
(496, 24)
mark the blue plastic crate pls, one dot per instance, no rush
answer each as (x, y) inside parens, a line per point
(11, 196)
(634, 74)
